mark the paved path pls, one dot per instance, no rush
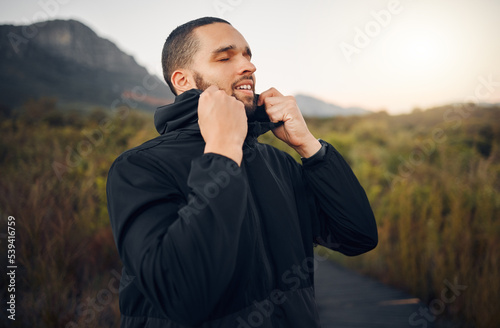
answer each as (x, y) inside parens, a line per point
(347, 299)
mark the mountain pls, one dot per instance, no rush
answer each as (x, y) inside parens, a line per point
(313, 107)
(67, 60)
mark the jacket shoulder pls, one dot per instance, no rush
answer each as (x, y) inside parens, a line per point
(167, 146)
(147, 149)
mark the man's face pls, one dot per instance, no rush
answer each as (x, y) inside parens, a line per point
(223, 59)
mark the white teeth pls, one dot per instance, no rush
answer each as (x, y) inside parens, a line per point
(245, 87)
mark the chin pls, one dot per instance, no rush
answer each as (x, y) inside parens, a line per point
(250, 108)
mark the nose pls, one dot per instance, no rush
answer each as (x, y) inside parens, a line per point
(246, 66)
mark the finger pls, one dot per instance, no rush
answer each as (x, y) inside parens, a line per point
(237, 103)
(277, 112)
(211, 89)
(272, 101)
(272, 92)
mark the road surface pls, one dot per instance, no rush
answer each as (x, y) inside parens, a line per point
(347, 299)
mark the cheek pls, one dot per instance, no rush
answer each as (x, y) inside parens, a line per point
(221, 75)
(223, 81)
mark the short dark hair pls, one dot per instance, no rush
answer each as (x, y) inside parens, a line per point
(181, 45)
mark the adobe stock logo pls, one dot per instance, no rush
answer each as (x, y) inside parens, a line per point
(437, 306)
(223, 6)
(48, 9)
(363, 37)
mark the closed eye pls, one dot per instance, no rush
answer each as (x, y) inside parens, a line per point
(223, 59)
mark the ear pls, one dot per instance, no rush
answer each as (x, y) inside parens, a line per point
(182, 81)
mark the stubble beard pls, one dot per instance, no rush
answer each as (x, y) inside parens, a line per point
(249, 101)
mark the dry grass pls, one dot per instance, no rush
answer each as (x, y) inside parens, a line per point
(66, 257)
(438, 211)
(438, 214)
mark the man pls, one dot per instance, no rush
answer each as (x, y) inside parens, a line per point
(213, 228)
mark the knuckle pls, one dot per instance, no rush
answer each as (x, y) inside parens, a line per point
(239, 104)
(205, 96)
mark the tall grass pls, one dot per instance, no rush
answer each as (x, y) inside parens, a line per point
(437, 204)
(53, 183)
(436, 201)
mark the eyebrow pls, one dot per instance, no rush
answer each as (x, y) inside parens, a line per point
(228, 48)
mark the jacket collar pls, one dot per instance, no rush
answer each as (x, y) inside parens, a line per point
(182, 114)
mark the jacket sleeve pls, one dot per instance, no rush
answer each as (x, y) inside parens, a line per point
(345, 221)
(182, 254)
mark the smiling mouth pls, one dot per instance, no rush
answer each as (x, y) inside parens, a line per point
(245, 88)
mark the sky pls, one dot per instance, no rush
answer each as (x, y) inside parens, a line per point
(380, 55)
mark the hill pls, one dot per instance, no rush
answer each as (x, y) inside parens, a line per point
(66, 60)
(313, 107)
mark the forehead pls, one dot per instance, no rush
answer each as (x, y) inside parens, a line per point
(216, 35)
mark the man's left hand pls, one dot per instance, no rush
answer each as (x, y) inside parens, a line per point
(294, 131)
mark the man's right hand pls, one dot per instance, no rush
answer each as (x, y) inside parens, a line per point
(223, 123)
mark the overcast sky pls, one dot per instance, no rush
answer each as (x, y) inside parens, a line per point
(393, 55)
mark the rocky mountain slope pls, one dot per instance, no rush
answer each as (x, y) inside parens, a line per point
(69, 61)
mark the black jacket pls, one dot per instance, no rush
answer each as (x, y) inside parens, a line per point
(205, 243)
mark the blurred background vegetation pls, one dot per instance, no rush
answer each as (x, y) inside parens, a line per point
(432, 177)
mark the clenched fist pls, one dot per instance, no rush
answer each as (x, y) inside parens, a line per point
(223, 123)
(294, 131)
